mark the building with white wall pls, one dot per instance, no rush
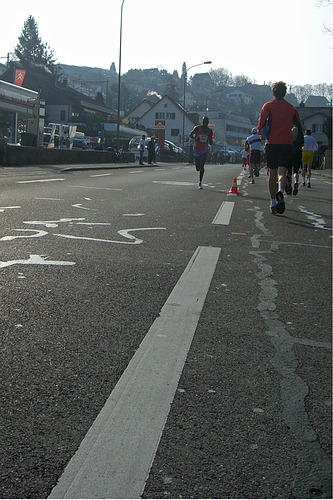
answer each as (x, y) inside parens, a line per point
(169, 114)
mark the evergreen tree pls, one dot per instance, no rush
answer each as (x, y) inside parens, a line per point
(99, 98)
(31, 49)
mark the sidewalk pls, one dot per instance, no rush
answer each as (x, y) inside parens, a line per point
(325, 173)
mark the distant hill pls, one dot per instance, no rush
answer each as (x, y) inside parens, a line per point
(88, 80)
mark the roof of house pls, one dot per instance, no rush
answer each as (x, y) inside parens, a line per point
(316, 101)
(179, 106)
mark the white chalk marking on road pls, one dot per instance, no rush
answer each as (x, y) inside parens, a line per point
(92, 187)
(37, 260)
(224, 213)
(100, 175)
(36, 235)
(94, 223)
(115, 457)
(122, 232)
(2, 209)
(48, 199)
(39, 180)
(79, 205)
(133, 215)
(51, 223)
(175, 183)
(316, 219)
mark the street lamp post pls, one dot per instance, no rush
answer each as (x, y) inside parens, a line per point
(119, 69)
(184, 102)
(213, 92)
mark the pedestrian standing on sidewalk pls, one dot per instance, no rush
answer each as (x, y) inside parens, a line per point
(310, 146)
(142, 144)
(281, 117)
(151, 151)
(202, 136)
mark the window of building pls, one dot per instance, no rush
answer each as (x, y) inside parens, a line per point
(159, 116)
(62, 115)
(317, 128)
(171, 116)
(174, 132)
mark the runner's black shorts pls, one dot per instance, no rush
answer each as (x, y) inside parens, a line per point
(279, 155)
(255, 157)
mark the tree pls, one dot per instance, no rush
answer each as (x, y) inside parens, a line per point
(241, 80)
(172, 87)
(31, 49)
(99, 98)
(221, 77)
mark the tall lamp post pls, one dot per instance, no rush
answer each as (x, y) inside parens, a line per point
(213, 92)
(119, 69)
(185, 78)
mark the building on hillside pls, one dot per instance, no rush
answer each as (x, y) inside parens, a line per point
(229, 129)
(313, 118)
(190, 100)
(239, 97)
(135, 115)
(201, 83)
(168, 115)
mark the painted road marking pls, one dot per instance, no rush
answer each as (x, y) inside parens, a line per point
(115, 457)
(224, 213)
(136, 172)
(92, 187)
(122, 232)
(39, 180)
(36, 260)
(48, 199)
(2, 209)
(100, 175)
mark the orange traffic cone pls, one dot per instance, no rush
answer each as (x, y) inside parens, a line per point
(234, 187)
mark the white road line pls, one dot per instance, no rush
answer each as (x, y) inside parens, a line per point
(224, 213)
(39, 180)
(115, 457)
(100, 175)
(136, 172)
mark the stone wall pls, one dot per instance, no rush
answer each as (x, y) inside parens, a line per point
(12, 155)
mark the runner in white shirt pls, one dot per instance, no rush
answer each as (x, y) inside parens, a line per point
(254, 141)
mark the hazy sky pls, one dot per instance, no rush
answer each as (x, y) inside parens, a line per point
(265, 40)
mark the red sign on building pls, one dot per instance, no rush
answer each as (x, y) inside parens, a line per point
(19, 77)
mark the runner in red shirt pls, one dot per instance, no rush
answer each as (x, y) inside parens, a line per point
(202, 136)
(278, 122)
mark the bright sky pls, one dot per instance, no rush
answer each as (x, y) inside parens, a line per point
(266, 40)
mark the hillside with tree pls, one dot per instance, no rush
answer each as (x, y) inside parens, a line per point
(138, 84)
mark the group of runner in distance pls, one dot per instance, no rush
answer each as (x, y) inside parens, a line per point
(286, 148)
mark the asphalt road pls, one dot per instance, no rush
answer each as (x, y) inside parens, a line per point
(163, 341)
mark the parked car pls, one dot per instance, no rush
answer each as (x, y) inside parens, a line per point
(172, 149)
(79, 140)
(133, 146)
(47, 137)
